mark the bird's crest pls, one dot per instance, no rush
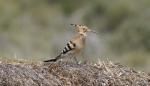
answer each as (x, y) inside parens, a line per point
(82, 29)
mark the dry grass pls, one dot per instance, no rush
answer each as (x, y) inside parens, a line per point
(69, 74)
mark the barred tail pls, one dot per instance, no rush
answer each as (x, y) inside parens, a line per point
(54, 60)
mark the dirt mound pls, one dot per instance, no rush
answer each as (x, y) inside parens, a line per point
(70, 74)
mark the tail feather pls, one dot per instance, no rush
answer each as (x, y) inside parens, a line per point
(51, 60)
(54, 60)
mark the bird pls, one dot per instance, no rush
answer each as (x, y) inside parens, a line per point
(76, 45)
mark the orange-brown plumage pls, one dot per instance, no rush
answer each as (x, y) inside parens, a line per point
(76, 45)
(79, 40)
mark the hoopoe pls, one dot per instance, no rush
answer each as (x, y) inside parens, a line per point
(76, 45)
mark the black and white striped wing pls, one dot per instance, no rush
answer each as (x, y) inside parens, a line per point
(68, 48)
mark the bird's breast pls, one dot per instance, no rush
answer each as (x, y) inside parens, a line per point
(80, 43)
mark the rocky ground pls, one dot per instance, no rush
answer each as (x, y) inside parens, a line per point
(20, 73)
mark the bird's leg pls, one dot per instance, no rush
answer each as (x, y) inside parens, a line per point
(84, 58)
(75, 59)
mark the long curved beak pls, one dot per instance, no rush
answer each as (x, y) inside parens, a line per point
(93, 31)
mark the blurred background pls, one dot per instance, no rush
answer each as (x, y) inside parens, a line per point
(39, 29)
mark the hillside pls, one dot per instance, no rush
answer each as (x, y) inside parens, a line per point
(21, 73)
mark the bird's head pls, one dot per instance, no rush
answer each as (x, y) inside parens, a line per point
(82, 29)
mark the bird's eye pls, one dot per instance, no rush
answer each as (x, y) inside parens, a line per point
(84, 29)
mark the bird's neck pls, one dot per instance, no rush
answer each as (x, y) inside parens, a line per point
(82, 38)
(82, 34)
